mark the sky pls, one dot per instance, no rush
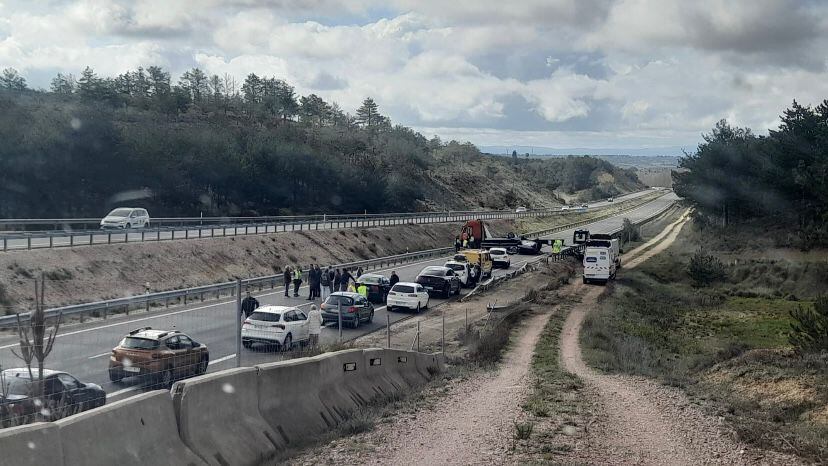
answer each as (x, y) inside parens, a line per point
(619, 74)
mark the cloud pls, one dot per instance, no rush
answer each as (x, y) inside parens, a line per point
(553, 72)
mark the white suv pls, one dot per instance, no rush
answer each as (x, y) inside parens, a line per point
(407, 295)
(500, 258)
(125, 218)
(281, 326)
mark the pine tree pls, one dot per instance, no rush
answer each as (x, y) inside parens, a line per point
(368, 114)
(11, 80)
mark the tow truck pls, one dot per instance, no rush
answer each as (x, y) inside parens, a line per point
(512, 243)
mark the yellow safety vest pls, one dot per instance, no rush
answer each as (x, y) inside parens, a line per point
(363, 290)
(556, 246)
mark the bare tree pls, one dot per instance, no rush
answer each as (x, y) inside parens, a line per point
(41, 342)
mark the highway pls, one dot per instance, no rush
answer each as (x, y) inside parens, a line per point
(83, 349)
(39, 240)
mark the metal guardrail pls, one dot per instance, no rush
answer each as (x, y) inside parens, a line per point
(47, 239)
(214, 291)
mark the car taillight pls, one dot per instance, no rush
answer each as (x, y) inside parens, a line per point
(352, 309)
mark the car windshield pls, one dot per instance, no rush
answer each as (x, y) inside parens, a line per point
(403, 289)
(370, 279)
(439, 271)
(456, 266)
(265, 316)
(495, 252)
(335, 300)
(120, 213)
(16, 385)
(139, 343)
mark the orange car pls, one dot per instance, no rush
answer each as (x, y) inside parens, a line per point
(162, 355)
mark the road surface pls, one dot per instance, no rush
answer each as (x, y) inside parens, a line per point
(83, 349)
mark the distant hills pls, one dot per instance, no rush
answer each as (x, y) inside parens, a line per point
(635, 159)
(673, 151)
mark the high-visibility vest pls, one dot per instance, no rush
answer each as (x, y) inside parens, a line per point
(297, 274)
(363, 290)
(465, 243)
(556, 247)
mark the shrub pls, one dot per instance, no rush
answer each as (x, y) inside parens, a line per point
(809, 329)
(523, 430)
(629, 232)
(705, 269)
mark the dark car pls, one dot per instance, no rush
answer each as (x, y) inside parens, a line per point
(64, 395)
(378, 286)
(355, 308)
(162, 355)
(437, 279)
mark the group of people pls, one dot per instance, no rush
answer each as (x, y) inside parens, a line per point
(465, 241)
(321, 282)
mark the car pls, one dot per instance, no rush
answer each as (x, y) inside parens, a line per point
(585, 206)
(407, 295)
(564, 207)
(463, 271)
(378, 286)
(610, 199)
(480, 257)
(64, 395)
(500, 258)
(437, 279)
(520, 209)
(125, 218)
(355, 308)
(163, 356)
(279, 326)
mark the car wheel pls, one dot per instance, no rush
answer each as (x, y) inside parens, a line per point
(115, 375)
(585, 281)
(447, 291)
(147, 225)
(128, 226)
(389, 308)
(371, 317)
(417, 311)
(166, 379)
(356, 321)
(457, 291)
(288, 344)
(202, 366)
(247, 344)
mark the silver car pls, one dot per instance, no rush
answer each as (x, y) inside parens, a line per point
(125, 218)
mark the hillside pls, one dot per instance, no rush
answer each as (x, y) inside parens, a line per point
(90, 145)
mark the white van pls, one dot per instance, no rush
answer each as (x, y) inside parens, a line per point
(604, 240)
(599, 264)
(125, 218)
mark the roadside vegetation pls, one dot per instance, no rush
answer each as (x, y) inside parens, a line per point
(749, 352)
(210, 145)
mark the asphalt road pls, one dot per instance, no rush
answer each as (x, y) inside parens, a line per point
(83, 349)
(40, 240)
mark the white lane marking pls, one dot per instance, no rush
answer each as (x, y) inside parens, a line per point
(100, 355)
(220, 360)
(126, 390)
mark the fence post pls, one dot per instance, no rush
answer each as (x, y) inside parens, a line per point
(387, 331)
(339, 319)
(147, 288)
(238, 322)
(418, 336)
(443, 337)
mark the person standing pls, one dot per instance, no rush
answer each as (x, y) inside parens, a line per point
(359, 272)
(471, 241)
(337, 280)
(312, 283)
(297, 280)
(249, 304)
(319, 274)
(314, 326)
(345, 280)
(325, 283)
(288, 277)
(362, 290)
(331, 277)
(394, 278)
(457, 244)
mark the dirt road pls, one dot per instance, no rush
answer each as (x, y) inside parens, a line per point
(643, 422)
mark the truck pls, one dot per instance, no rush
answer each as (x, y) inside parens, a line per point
(602, 259)
(512, 243)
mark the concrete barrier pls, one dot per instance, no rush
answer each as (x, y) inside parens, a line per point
(218, 418)
(289, 399)
(139, 430)
(31, 445)
(339, 384)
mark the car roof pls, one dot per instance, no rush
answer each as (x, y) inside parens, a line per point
(378, 275)
(349, 294)
(152, 334)
(443, 267)
(275, 309)
(497, 249)
(457, 262)
(406, 284)
(22, 372)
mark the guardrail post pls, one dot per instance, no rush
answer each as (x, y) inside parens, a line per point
(166, 302)
(185, 298)
(29, 241)
(106, 310)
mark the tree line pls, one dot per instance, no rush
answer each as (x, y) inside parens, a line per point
(208, 144)
(782, 178)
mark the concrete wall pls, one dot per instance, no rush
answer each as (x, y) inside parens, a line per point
(234, 417)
